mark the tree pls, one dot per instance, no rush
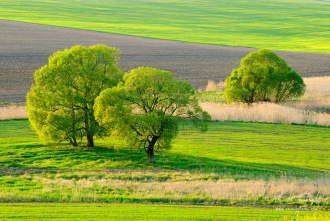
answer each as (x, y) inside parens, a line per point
(147, 107)
(263, 76)
(60, 103)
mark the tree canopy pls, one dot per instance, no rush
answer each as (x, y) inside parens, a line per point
(147, 107)
(263, 76)
(60, 103)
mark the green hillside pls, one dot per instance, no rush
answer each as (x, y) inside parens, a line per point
(234, 163)
(302, 25)
(234, 147)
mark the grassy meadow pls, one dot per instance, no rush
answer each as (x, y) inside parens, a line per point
(55, 211)
(240, 169)
(234, 163)
(277, 24)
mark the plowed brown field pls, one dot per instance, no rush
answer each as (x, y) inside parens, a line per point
(26, 47)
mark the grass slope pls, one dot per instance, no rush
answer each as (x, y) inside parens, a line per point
(231, 147)
(276, 24)
(234, 163)
(53, 211)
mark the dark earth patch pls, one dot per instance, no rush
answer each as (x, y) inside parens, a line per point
(26, 47)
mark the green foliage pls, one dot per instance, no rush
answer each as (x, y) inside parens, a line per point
(279, 25)
(147, 108)
(263, 76)
(60, 103)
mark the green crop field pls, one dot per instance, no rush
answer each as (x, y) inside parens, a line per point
(55, 211)
(302, 25)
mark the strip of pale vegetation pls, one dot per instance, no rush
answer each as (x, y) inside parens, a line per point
(281, 25)
(266, 112)
(161, 187)
(13, 112)
(312, 108)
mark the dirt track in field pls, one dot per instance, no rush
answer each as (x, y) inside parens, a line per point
(26, 47)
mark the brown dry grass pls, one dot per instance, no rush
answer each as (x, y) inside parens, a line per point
(313, 108)
(265, 112)
(317, 87)
(184, 184)
(213, 86)
(13, 112)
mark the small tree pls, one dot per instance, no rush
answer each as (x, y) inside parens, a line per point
(60, 103)
(145, 110)
(263, 76)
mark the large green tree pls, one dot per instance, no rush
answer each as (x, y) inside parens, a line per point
(147, 107)
(263, 76)
(60, 103)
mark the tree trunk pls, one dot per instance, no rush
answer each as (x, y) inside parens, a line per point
(151, 155)
(89, 136)
(90, 140)
(73, 141)
(150, 149)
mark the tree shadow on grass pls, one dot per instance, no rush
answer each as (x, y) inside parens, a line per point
(51, 159)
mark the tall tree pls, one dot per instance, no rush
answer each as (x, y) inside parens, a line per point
(60, 103)
(263, 76)
(146, 109)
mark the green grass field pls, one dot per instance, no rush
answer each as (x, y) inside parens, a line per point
(276, 24)
(234, 163)
(53, 211)
(233, 147)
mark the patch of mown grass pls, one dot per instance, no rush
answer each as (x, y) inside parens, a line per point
(281, 25)
(33, 211)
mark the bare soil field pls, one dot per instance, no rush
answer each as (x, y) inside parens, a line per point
(26, 47)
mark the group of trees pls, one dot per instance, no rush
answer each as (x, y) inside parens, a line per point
(82, 93)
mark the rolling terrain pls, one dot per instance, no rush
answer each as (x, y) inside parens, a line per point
(235, 171)
(275, 24)
(234, 163)
(26, 47)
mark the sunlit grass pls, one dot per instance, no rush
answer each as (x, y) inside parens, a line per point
(283, 25)
(230, 147)
(233, 163)
(56, 211)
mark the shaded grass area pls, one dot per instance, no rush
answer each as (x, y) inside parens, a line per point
(240, 145)
(234, 163)
(55, 211)
(230, 147)
(283, 25)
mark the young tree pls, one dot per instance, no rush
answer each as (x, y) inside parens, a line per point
(263, 76)
(145, 110)
(60, 103)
